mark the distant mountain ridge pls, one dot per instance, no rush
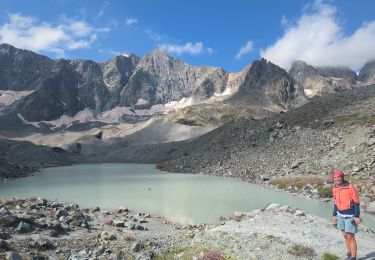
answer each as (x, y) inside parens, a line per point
(65, 87)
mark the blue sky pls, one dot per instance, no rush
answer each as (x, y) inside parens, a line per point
(228, 34)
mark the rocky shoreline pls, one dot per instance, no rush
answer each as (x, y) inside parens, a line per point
(40, 229)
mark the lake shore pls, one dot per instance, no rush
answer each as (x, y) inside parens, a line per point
(53, 229)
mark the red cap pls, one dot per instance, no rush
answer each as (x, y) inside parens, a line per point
(338, 173)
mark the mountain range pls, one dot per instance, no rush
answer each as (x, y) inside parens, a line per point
(55, 88)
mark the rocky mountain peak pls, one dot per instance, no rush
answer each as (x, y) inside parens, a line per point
(367, 73)
(322, 80)
(266, 85)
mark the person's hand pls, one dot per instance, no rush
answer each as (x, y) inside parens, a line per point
(334, 219)
(357, 220)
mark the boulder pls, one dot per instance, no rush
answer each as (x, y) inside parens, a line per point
(136, 247)
(78, 220)
(23, 227)
(370, 207)
(299, 213)
(3, 245)
(4, 235)
(99, 135)
(62, 213)
(371, 141)
(295, 164)
(13, 256)
(43, 244)
(41, 202)
(107, 235)
(118, 223)
(7, 219)
(272, 207)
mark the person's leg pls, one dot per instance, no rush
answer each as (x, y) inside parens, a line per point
(352, 243)
(341, 226)
(347, 242)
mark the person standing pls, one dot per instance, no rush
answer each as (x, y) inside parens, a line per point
(346, 211)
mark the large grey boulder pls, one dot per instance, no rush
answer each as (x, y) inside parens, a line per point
(6, 217)
(370, 207)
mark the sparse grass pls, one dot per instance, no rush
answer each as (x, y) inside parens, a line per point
(324, 192)
(298, 182)
(301, 251)
(195, 252)
(163, 165)
(329, 256)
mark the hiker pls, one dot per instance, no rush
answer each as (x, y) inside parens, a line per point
(346, 211)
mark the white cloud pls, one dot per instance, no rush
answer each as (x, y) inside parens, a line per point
(80, 28)
(189, 48)
(318, 39)
(27, 33)
(248, 47)
(131, 21)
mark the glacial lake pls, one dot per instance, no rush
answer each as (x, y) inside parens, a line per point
(184, 198)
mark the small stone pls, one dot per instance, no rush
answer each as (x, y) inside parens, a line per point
(299, 213)
(132, 226)
(4, 235)
(13, 256)
(357, 168)
(136, 247)
(295, 164)
(118, 223)
(107, 235)
(43, 244)
(142, 220)
(41, 202)
(3, 244)
(328, 122)
(139, 227)
(371, 141)
(23, 227)
(272, 207)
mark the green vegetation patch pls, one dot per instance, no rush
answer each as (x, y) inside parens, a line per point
(298, 182)
(196, 252)
(329, 256)
(324, 192)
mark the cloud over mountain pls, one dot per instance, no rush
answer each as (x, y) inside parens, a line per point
(318, 38)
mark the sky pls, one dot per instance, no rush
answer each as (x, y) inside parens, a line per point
(227, 34)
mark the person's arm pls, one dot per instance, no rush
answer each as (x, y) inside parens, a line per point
(356, 201)
(334, 213)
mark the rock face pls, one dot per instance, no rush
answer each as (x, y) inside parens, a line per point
(317, 81)
(64, 87)
(367, 73)
(160, 78)
(21, 69)
(266, 84)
